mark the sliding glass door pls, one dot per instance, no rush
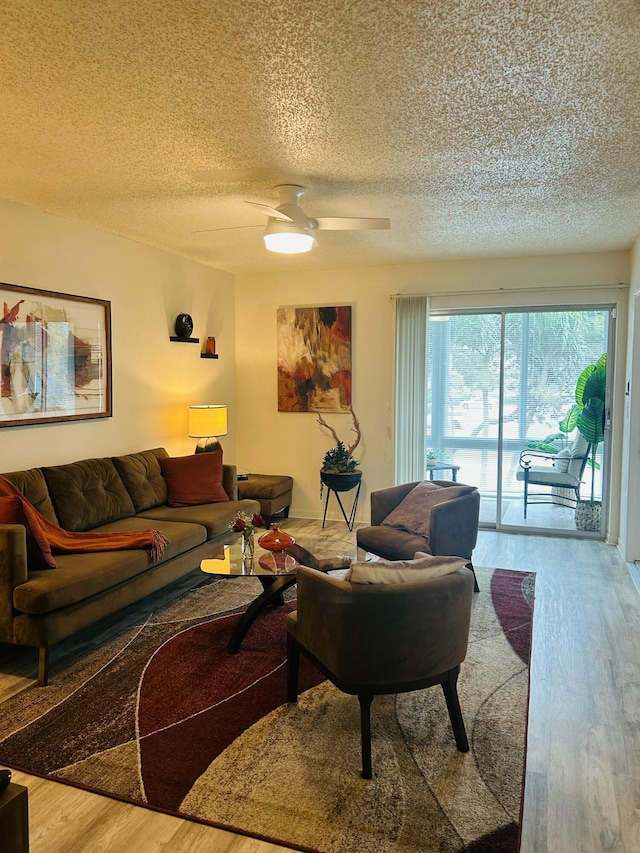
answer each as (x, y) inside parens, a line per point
(463, 400)
(499, 387)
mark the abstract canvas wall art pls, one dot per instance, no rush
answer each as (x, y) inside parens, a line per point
(55, 356)
(314, 359)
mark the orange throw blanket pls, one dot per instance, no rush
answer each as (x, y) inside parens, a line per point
(48, 537)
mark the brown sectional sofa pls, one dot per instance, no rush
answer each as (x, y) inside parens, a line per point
(126, 493)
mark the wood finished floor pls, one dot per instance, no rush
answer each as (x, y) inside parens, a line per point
(582, 789)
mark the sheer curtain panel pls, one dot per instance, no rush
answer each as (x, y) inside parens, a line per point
(412, 313)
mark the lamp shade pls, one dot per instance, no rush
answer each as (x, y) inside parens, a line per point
(288, 238)
(206, 421)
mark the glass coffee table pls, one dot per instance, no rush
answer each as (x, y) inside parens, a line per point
(276, 571)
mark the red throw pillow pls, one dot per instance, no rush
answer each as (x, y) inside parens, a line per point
(194, 479)
(38, 549)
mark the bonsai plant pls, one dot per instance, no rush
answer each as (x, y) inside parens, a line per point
(339, 467)
(587, 414)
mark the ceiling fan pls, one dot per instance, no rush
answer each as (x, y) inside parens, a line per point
(290, 231)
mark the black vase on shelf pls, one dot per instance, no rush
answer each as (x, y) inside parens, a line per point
(184, 325)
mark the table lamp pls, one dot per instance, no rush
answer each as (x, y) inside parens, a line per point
(206, 423)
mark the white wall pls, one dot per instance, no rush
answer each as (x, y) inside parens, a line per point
(154, 380)
(294, 443)
(629, 526)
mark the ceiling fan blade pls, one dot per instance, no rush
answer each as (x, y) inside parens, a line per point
(270, 211)
(227, 228)
(348, 223)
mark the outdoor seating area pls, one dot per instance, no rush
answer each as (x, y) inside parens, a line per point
(563, 470)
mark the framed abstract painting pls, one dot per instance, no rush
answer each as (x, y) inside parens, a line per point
(314, 359)
(55, 357)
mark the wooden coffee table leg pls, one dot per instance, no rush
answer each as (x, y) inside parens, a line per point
(272, 594)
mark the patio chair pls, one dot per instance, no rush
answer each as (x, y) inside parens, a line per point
(564, 470)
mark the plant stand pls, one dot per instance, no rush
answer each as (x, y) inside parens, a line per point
(350, 519)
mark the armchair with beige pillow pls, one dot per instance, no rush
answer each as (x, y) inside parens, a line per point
(385, 628)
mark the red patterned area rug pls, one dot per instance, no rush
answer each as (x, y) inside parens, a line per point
(159, 714)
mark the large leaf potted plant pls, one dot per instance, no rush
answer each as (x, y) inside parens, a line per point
(339, 470)
(588, 416)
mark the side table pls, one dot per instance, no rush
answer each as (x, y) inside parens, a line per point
(14, 819)
(444, 466)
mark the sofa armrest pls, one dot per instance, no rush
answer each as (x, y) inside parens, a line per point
(13, 572)
(230, 481)
(454, 526)
(385, 500)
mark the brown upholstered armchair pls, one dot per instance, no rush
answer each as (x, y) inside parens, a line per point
(373, 639)
(453, 529)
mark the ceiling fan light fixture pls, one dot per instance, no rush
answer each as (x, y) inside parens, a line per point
(290, 231)
(289, 244)
(287, 238)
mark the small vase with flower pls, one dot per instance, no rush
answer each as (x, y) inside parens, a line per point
(247, 526)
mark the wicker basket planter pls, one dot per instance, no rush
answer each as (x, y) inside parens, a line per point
(588, 515)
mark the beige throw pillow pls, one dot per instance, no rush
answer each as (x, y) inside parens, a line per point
(561, 461)
(578, 452)
(422, 568)
(413, 514)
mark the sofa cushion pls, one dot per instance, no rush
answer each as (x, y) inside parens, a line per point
(195, 479)
(391, 543)
(33, 486)
(547, 476)
(423, 567)
(38, 548)
(217, 518)
(87, 494)
(80, 576)
(265, 487)
(413, 514)
(142, 477)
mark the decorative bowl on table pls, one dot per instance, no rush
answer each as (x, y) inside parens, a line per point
(276, 539)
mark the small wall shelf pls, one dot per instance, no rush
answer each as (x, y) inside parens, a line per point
(208, 355)
(184, 340)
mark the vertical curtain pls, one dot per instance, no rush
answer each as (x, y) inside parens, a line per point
(412, 313)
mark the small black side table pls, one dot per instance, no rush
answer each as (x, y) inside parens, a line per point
(444, 466)
(14, 819)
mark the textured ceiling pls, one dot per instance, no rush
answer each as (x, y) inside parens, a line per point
(479, 127)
